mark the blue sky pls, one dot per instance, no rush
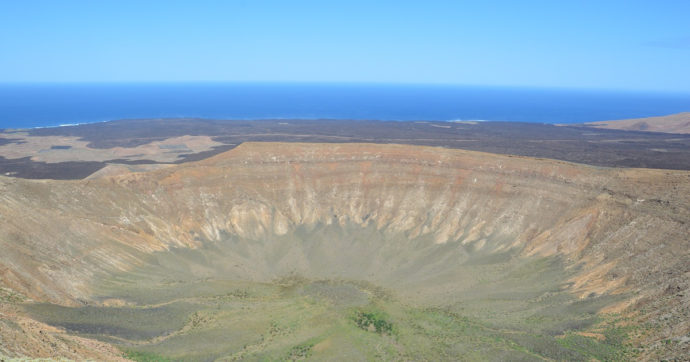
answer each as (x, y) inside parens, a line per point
(635, 45)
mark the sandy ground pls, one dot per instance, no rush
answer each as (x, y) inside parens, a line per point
(54, 149)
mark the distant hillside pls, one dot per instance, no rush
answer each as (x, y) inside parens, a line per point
(674, 123)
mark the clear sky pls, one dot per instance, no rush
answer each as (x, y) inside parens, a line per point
(636, 45)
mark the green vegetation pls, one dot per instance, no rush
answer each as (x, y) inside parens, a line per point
(300, 352)
(613, 346)
(373, 321)
(145, 356)
(507, 308)
(10, 296)
(600, 350)
(268, 322)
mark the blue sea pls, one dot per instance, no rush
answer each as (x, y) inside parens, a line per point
(44, 105)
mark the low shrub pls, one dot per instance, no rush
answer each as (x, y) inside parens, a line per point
(373, 321)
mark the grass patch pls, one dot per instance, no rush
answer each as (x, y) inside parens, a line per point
(503, 309)
(373, 321)
(300, 352)
(284, 321)
(614, 346)
(145, 356)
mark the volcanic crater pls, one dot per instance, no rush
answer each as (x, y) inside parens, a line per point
(350, 251)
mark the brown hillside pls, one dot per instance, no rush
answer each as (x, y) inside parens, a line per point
(675, 123)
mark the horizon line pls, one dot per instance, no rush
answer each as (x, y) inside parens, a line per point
(345, 83)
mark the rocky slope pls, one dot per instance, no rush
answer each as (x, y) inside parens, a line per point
(408, 218)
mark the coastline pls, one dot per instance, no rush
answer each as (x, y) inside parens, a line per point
(54, 105)
(230, 119)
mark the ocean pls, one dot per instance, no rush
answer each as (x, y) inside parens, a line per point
(46, 105)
